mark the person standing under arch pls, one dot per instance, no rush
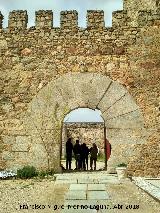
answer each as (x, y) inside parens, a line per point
(84, 156)
(93, 156)
(69, 150)
(77, 152)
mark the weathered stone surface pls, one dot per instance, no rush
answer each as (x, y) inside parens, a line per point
(123, 106)
(126, 54)
(7, 155)
(132, 120)
(7, 139)
(127, 136)
(21, 144)
(113, 94)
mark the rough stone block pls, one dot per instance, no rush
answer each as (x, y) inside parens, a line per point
(131, 120)
(113, 94)
(22, 144)
(126, 136)
(90, 88)
(6, 155)
(7, 139)
(123, 106)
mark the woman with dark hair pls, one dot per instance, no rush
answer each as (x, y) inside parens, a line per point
(93, 156)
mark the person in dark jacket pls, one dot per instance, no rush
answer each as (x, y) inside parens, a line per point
(84, 156)
(69, 150)
(93, 156)
(77, 152)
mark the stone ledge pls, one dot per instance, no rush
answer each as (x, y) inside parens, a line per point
(151, 189)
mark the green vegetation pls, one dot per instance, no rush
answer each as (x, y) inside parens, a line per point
(101, 156)
(122, 165)
(30, 172)
(27, 172)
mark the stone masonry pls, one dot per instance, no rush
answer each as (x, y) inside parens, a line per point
(45, 72)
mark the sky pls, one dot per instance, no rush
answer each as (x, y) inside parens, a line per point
(58, 5)
(79, 115)
(84, 115)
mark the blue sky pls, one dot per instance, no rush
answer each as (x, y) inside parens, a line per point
(58, 5)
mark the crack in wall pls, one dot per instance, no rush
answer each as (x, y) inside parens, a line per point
(104, 93)
(115, 102)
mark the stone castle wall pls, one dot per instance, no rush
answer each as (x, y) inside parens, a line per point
(30, 58)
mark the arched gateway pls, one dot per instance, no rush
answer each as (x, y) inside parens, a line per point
(43, 120)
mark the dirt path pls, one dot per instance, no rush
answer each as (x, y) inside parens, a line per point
(14, 193)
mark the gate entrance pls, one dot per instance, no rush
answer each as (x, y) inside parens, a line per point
(86, 126)
(44, 118)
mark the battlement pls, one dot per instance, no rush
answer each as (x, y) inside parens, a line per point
(1, 20)
(69, 19)
(95, 19)
(44, 19)
(120, 18)
(18, 19)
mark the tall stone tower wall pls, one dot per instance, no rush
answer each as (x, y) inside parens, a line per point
(31, 58)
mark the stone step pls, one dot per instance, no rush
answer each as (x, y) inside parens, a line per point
(78, 187)
(97, 195)
(96, 187)
(76, 195)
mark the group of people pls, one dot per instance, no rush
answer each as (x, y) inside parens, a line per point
(81, 153)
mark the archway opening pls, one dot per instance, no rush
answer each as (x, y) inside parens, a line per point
(88, 127)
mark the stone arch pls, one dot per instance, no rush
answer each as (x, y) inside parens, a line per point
(43, 120)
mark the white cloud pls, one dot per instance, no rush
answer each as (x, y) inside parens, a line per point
(58, 5)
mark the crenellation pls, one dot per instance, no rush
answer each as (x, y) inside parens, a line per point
(120, 18)
(1, 20)
(95, 19)
(44, 19)
(18, 19)
(69, 19)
